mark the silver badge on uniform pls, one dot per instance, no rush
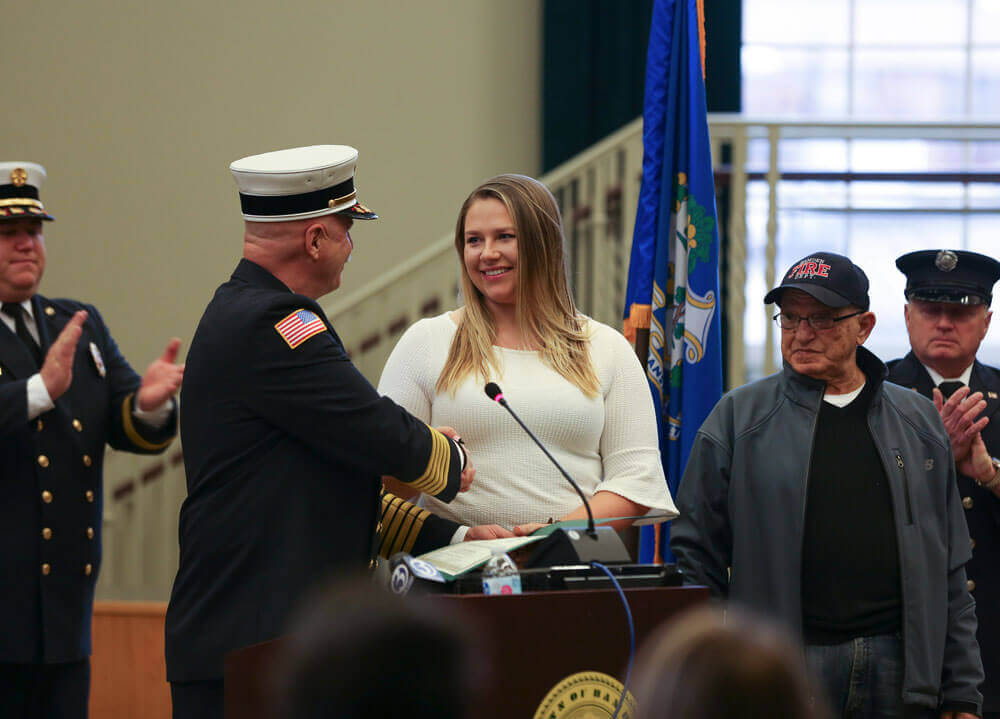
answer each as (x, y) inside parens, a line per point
(946, 260)
(98, 360)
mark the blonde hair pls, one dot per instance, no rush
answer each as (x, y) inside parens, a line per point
(544, 310)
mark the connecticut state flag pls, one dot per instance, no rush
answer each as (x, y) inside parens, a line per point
(673, 283)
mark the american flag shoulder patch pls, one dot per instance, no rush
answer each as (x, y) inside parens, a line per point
(299, 326)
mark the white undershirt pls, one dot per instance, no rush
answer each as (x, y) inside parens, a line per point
(842, 400)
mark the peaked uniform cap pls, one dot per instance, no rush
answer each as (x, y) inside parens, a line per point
(20, 183)
(958, 276)
(299, 183)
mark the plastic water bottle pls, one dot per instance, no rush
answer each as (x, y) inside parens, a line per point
(500, 575)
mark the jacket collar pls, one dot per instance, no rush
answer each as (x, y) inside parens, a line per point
(808, 389)
(13, 354)
(251, 272)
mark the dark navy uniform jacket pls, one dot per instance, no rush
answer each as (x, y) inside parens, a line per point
(285, 443)
(982, 512)
(50, 483)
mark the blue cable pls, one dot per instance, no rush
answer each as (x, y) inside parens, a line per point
(631, 634)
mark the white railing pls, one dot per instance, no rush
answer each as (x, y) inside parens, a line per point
(598, 194)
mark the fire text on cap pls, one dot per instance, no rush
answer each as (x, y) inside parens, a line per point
(809, 268)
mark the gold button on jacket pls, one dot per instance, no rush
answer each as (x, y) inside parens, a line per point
(971, 585)
(46, 569)
(43, 461)
(90, 496)
(87, 460)
(46, 533)
(967, 502)
(47, 496)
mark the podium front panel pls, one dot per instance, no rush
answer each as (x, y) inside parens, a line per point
(532, 642)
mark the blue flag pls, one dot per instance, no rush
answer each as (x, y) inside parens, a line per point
(673, 282)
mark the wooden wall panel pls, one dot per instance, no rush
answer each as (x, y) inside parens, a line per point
(128, 671)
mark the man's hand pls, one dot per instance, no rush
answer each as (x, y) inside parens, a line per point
(978, 463)
(57, 370)
(162, 379)
(469, 473)
(959, 417)
(487, 531)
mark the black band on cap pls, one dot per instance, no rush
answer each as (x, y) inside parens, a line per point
(10, 191)
(276, 205)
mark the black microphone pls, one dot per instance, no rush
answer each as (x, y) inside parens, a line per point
(494, 393)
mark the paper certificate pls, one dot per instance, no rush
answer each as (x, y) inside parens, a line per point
(457, 559)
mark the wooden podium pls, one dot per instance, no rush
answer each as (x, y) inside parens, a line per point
(533, 641)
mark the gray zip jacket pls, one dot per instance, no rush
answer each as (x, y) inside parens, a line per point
(742, 503)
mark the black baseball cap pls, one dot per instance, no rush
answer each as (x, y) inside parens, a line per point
(831, 278)
(958, 276)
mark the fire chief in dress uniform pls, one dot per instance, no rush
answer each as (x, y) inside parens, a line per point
(65, 392)
(948, 294)
(284, 440)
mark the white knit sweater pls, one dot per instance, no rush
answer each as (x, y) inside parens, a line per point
(605, 443)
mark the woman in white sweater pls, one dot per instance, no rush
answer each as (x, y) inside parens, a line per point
(575, 382)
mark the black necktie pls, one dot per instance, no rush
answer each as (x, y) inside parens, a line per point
(17, 312)
(950, 387)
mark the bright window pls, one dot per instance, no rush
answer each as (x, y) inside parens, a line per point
(897, 60)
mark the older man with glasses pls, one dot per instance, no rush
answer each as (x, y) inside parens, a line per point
(825, 497)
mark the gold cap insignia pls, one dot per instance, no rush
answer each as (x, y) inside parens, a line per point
(18, 176)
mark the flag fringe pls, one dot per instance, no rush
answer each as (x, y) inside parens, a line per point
(701, 35)
(639, 318)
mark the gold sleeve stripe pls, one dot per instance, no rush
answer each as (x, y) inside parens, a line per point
(390, 520)
(435, 476)
(132, 433)
(396, 530)
(401, 523)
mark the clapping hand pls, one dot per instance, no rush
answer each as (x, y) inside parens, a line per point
(959, 414)
(162, 379)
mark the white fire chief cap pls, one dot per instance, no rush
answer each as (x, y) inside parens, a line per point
(299, 183)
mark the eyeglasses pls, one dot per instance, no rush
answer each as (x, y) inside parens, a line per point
(788, 321)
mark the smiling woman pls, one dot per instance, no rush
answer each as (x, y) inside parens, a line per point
(576, 382)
